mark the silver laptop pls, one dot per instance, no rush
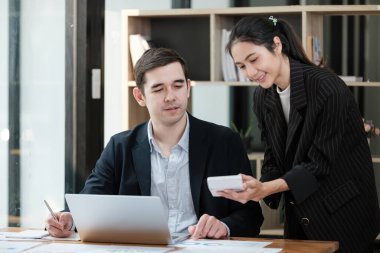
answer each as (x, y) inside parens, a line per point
(121, 219)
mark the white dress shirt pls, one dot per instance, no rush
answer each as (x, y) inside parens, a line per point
(170, 180)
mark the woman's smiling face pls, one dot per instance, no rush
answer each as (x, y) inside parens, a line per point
(258, 63)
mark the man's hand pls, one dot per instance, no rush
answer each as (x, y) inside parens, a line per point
(60, 228)
(208, 227)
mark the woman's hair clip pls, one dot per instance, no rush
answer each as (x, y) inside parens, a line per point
(274, 20)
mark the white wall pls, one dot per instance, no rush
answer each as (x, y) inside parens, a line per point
(4, 113)
(112, 56)
(42, 117)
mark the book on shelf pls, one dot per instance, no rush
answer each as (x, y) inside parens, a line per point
(317, 51)
(352, 78)
(230, 72)
(314, 49)
(137, 46)
(229, 69)
(309, 47)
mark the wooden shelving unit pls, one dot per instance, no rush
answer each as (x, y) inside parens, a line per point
(196, 34)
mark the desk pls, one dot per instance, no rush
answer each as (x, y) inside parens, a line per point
(296, 246)
(288, 246)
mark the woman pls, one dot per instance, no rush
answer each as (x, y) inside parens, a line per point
(316, 152)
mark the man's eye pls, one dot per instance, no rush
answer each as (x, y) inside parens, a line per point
(155, 91)
(241, 67)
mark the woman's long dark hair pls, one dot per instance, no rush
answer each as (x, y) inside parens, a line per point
(261, 31)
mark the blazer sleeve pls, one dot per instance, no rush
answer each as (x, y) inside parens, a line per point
(333, 112)
(269, 170)
(102, 179)
(244, 219)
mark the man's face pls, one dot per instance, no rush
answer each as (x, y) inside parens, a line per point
(166, 92)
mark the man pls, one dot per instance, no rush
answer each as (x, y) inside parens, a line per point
(171, 156)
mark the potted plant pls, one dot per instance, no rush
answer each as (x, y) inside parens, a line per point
(371, 130)
(244, 135)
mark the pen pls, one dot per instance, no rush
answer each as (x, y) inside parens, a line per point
(51, 211)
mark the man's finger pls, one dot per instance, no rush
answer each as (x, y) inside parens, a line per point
(211, 220)
(52, 222)
(213, 230)
(221, 232)
(191, 229)
(199, 228)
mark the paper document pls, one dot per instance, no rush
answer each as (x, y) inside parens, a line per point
(72, 237)
(93, 248)
(12, 247)
(26, 234)
(224, 246)
(222, 243)
(219, 249)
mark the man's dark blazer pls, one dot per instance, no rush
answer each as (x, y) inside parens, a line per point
(324, 157)
(124, 168)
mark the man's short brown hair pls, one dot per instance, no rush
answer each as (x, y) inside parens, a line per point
(153, 58)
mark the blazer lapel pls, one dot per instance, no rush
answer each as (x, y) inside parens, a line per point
(297, 101)
(275, 123)
(197, 160)
(141, 160)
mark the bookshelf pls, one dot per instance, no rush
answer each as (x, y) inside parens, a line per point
(196, 34)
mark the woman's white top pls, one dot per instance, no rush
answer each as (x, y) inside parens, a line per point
(285, 101)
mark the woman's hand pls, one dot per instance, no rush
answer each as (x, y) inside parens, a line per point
(255, 190)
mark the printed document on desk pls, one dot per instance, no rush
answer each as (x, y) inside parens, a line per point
(227, 250)
(26, 234)
(72, 237)
(93, 248)
(222, 243)
(221, 246)
(35, 235)
(12, 247)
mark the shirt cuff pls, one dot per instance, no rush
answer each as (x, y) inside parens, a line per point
(228, 229)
